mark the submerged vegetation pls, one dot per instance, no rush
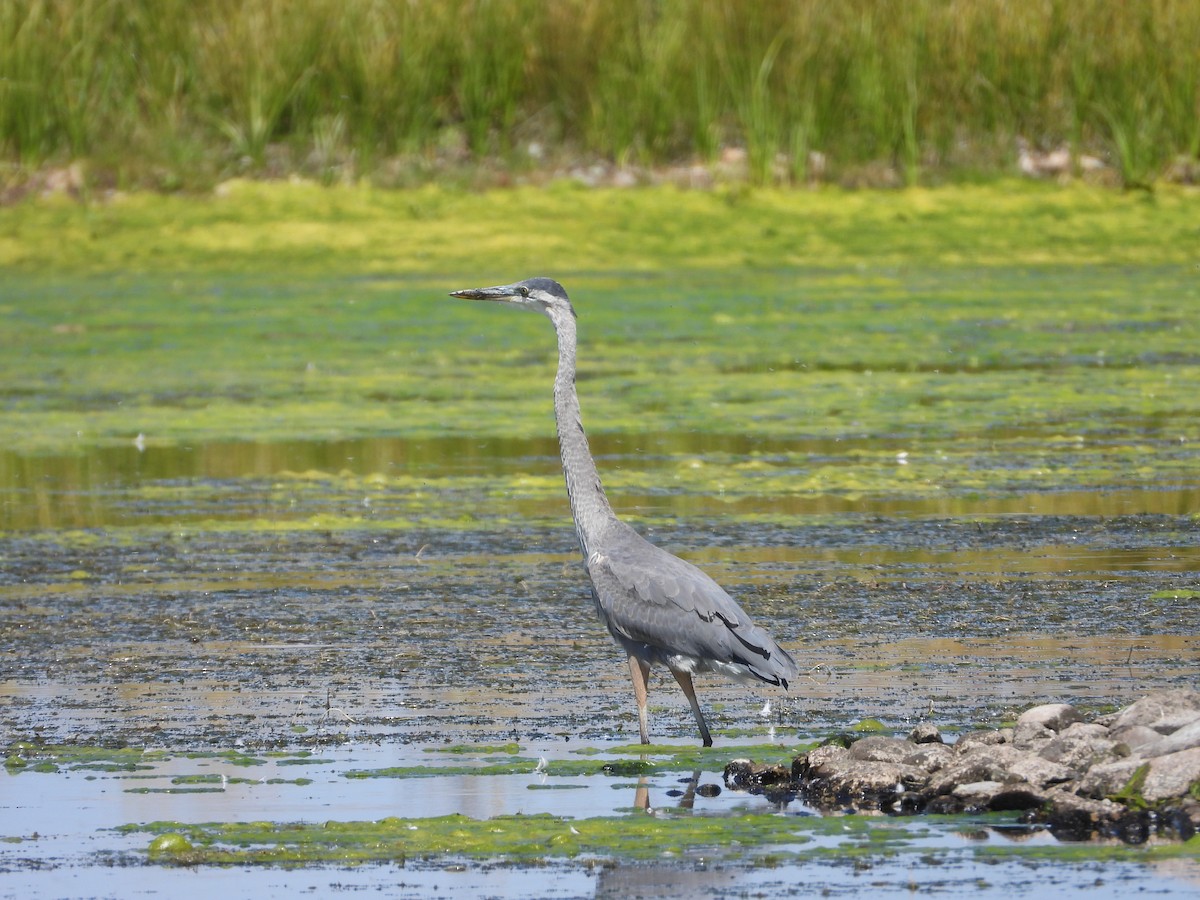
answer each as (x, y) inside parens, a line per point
(183, 94)
(763, 840)
(519, 838)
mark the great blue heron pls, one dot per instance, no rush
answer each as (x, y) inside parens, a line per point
(658, 607)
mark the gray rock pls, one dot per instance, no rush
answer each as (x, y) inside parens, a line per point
(978, 792)
(998, 763)
(1055, 716)
(1172, 775)
(1185, 738)
(1164, 711)
(1040, 724)
(867, 775)
(878, 748)
(929, 757)
(1134, 736)
(926, 733)
(1108, 779)
(1081, 746)
(983, 739)
(973, 768)
(1084, 730)
(821, 755)
(1166, 777)
(1036, 771)
(1053, 764)
(864, 784)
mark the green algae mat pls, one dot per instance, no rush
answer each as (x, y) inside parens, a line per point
(762, 840)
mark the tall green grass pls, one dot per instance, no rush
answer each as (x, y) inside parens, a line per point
(179, 93)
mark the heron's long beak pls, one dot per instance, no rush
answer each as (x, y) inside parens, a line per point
(503, 292)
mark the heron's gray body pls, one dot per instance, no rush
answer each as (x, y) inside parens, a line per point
(665, 611)
(661, 609)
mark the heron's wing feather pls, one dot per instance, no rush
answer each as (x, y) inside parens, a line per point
(649, 596)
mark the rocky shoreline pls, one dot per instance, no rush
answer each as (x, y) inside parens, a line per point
(1129, 775)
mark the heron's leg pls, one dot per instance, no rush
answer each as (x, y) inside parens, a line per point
(640, 672)
(689, 795)
(685, 682)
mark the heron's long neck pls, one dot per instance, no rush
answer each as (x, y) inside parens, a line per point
(589, 506)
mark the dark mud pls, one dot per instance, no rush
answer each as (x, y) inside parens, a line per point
(367, 648)
(210, 638)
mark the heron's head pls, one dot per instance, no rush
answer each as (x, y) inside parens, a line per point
(544, 295)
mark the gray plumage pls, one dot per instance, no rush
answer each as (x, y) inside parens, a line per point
(659, 608)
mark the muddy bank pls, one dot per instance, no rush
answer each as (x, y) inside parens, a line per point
(1129, 775)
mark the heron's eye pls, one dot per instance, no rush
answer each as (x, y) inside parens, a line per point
(524, 291)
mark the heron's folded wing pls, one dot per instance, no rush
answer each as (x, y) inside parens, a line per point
(649, 596)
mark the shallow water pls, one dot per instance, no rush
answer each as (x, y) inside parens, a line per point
(987, 855)
(386, 479)
(941, 554)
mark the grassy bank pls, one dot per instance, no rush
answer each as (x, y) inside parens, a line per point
(179, 94)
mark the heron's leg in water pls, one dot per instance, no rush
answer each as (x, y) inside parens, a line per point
(640, 672)
(685, 682)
